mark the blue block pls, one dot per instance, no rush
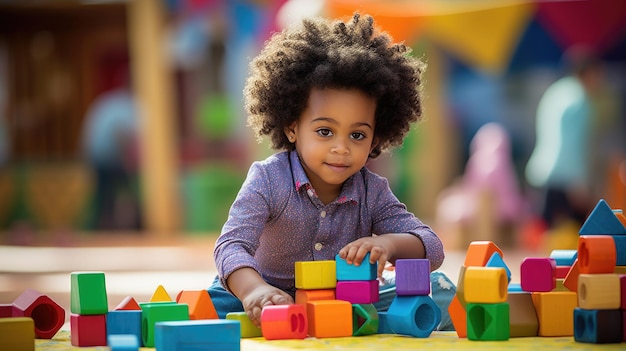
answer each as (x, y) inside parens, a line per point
(365, 271)
(564, 257)
(496, 261)
(515, 287)
(417, 315)
(597, 326)
(123, 342)
(620, 249)
(124, 322)
(602, 221)
(383, 327)
(192, 335)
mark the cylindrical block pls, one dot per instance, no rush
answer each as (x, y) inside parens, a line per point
(596, 254)
(284, 322)
(599, 291)
(485, 285)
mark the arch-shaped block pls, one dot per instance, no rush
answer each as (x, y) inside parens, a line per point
(279, 322)
(416, 315)
(47, 315)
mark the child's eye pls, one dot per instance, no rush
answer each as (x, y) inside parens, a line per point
(357, 136)
(324, 132)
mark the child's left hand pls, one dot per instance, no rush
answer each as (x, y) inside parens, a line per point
(378, 247)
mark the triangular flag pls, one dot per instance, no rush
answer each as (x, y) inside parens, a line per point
(602, 221)
(160, 295)
(129, 303)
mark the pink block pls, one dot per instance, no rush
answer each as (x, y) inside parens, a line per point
(357, 291)
(88, 330)
(280, 322)
(538, 274)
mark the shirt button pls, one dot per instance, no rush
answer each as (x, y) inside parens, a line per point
(310, 192)
(318, 246)
(323, 214)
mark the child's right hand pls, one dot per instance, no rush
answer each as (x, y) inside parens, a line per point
(261, 296)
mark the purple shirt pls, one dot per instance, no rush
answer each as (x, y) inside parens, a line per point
(277, 220)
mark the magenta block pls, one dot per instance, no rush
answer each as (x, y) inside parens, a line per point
(412, 277)
(357, 291)
(538, 274)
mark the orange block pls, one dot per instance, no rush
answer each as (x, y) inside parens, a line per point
(280, 322)
(555, 312)
(596, 254)
(304, 296)
(571, 279)
(329, 318)
(199, 302)
(479, 252)
(458, 317)
(129, 303)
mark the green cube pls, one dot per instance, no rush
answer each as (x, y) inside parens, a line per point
(88, 294)
(488, 321)
(151, 313)
(248, 329)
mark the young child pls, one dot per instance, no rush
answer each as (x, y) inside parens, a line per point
(331, 95)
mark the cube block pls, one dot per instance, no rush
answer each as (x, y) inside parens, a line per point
(357, 291)
(597, 326)
(329, 318)
(364, 271)
(248, 329)
(555, 312)
(17, 334)
(124, 322)
(412, 277)
(303, 296)
(88, 293)
(488, 321)
(314, 275)
(88, 330)
(153, 313)
(538, 274)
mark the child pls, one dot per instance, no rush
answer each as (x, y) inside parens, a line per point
(332, 95)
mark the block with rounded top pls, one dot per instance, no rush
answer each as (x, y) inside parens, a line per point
(316, 274)
(364, 271)
(412, 276)
(415, 315)
(596, 254)
(599, 291)
(47, 315)
(538, 274)
(485, 285)
(281, 322)
(88, 293)
(479, 252)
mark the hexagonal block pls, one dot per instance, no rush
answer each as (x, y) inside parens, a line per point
(47, 315)
(413, 315)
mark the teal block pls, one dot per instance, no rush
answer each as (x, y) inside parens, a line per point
(416, 315)
(123, 342)
(602, 221)
(496, 261)
(208, 334)
(364, 319)
(365, 271)
(124, 322)
(488, 321)
(564, 257)
(88, 295)
(152, 313)
(383, 326)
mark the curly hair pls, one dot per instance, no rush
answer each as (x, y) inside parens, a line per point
(322, 53)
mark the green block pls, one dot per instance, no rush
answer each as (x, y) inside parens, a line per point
(364, 319)
(248, 329)
(88, 294)
(154, 312)
(488, 321)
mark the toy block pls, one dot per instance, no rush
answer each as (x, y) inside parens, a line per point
(571, 279)
(515, 287)
(124, 322)
(620, 270)
(599, 291)
(303, 296)
(485, 285)
(329, 318)
(364, 319)
(622, 291)
(623, 325)
(538, 274)
(460, 286)
(555, 312)
(620, 249)
(364, 271)
(129, 303)
(314, 275)
(383, 326)
(496, 261)
(160, 295)
(458, 316)
(488, 321)
(47, 315)
(560, 285)
(88, 293)
(207, 334)
(152, 313)
(415, 315)
(596, 254)
(597, 326)
(123, 342)
(281, 322)
(602, 221)
(358, 291)
(561, 271)
(522, 315)
(199, 302)
(17, 334)
(479, 252)
(6, 310)
(88, 330)
(564, 257)
(412, 277)
(248, 329)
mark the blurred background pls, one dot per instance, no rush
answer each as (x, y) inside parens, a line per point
(124, 119)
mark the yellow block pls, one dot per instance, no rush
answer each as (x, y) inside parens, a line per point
(316, 274)
(160, 295)
(17, 334)
(555, 311)
(485, 285)
(599, 291)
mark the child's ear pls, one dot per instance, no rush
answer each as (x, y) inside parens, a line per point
(374, 144)
(290, 132)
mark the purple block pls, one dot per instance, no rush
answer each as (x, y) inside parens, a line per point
(357, 291)
(412, 277)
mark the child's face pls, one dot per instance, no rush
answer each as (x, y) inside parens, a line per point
(334, 137)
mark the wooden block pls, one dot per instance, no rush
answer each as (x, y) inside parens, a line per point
(47, 315)
(364, 271)
(364, 319)
(489, 321)
(515, 287)
(282, 322)
(460, 286)
(88, 330)
(555, 312)
(599, 291)
(564, 257)
(88, 293)
(458, 316)
(538, 274)
(248, 329)
(17, 334)
(496, 261)
(620, 249)
(415, 315)
(561, 271)
(123, 342)
(303, 296)
(129, 303)
(206, 334)
(560, 285)
(383, 327)
(6, 310)
(124, 322)
(596, 254)
(571, 279)
(622, 289)
(523, 317)
(313, 275)
(358, 291)
(485, 285)
(620, 270)
(597, 326)
(479, 252)
(602, 221)
(199, 302)
(623, 325)
(412, 277)
(160, 295)
(329, 318)
(152, 313)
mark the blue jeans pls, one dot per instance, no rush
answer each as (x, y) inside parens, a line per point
(442, 290)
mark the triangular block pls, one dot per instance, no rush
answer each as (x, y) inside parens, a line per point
(129, 303)
(160, 295)
(200, 304)
(602, 221)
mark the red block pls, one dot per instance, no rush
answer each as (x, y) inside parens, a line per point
(88, 330)
(280, 322)
(47, 314)
(6, 310)
(561, 271)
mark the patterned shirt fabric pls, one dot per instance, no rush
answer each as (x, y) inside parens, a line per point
(277, 220)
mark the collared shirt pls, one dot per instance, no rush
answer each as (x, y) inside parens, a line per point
(277, 220)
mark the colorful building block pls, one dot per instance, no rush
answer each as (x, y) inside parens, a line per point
(415, 315)
(622, 291)
(620, 249)
(412, 277)
(17, 334)
(329, 318)
(281, 322)
(538, 274)
(152, 313)
(88, 330)
(488, 321)
(561, 271)
(357, 291)
(564, 257)
(313, 275)
(596, 254)
(123, 342)
(479, 252)
(364, 271)
(485, 285)
(6, 310)
(601, 221)
(124, 322)
(460, 286)
(207, 334)
(364, 319)
(160, 295)
(47, 315)
(496, 261)
(383, 327)
(128, 303)
(88, 293)
(303, 296)
(248, 329)
(555, 312)
(522, 315)
(199, 302)
(571, 279)
(599, 291)
(458, 316)
(597, 326)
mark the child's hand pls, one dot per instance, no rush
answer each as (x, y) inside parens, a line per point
(378, 247)
(261, 296)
